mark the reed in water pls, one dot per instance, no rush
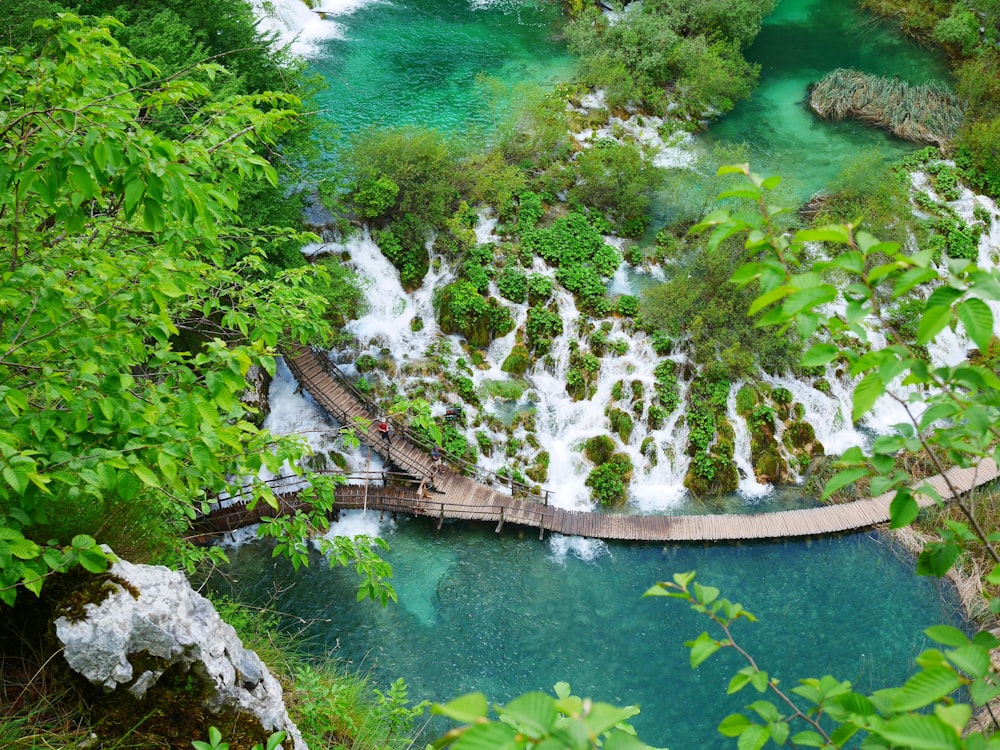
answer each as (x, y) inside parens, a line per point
(927, 113)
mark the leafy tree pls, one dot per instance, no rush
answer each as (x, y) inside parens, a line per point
(126, 341)
(616, 180)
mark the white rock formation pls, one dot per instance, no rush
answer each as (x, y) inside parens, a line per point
(175, 625)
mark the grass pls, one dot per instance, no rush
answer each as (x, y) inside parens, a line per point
(929, 114)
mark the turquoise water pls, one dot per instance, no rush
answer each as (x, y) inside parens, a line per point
(799, 43)
(505, 614)
(416, 62)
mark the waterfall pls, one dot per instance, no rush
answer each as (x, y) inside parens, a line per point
(749, 486)
(562, 425)
(298, 27)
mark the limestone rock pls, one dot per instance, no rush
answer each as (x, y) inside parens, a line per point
(169, 624)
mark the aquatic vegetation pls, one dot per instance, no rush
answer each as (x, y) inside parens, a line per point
(929, 113)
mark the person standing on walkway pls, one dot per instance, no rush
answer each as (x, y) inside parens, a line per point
(383, 431)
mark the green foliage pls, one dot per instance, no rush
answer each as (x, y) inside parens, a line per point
(586, 284)
(403, 244)
(627, 306)
(692, 49)
(395, 706)
(700, 304)
(512, 283)
(366, 363)
(960, 29)
(113, 241)
(418, 162)
(541, 326)
(616, 180)
(570, 240)
(476, 274)
(537, 720)
(953, 412)
(539, 289)
(665, 386)
(529, 210)
(581, 377)
(375, 197)
(215, 741)
(608, 482)
(925, 712)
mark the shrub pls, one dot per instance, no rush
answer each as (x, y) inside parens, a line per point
(540, 328)
(666, 385)
(366, 363)
(374, 197)
(529, 210)
(512, 283)
(627, 306)
(539, 288)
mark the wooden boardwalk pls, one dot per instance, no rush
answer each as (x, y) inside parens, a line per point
(479, 499)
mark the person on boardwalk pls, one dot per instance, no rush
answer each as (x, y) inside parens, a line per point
(383, 431)
(435, 460)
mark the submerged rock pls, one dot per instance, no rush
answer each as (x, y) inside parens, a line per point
(152, 616)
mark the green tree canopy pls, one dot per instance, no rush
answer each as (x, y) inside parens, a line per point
(124, 338)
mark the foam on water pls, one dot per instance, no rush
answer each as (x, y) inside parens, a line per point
(297, 27)
(589, 550)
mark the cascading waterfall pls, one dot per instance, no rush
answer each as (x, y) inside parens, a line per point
(295, 25)
(749, 486)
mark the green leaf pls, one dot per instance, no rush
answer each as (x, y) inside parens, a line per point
(702, 648)
(734, 725)
(972, 660)
(819, 355)
(754, 737)
(492, 736)
(94, 561)
(533, 712)
(920, 733)
(947, 635)
(842, 479)
(147, 476)
(23, 549)
(808, 298)
(936, 558)
(466, 709)
(830, 233)
(926, 687)
(809, 739)
(866, 394)
(978, 321)
(604, 716)
(903, 510)
(932, 322)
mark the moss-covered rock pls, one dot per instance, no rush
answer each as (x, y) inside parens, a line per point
(518, 361)
(599, 449)
(621, 424)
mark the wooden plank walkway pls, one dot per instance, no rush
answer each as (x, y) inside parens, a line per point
(462, 497)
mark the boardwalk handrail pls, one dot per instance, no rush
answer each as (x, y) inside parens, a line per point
(501, 509)
(466, 468)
